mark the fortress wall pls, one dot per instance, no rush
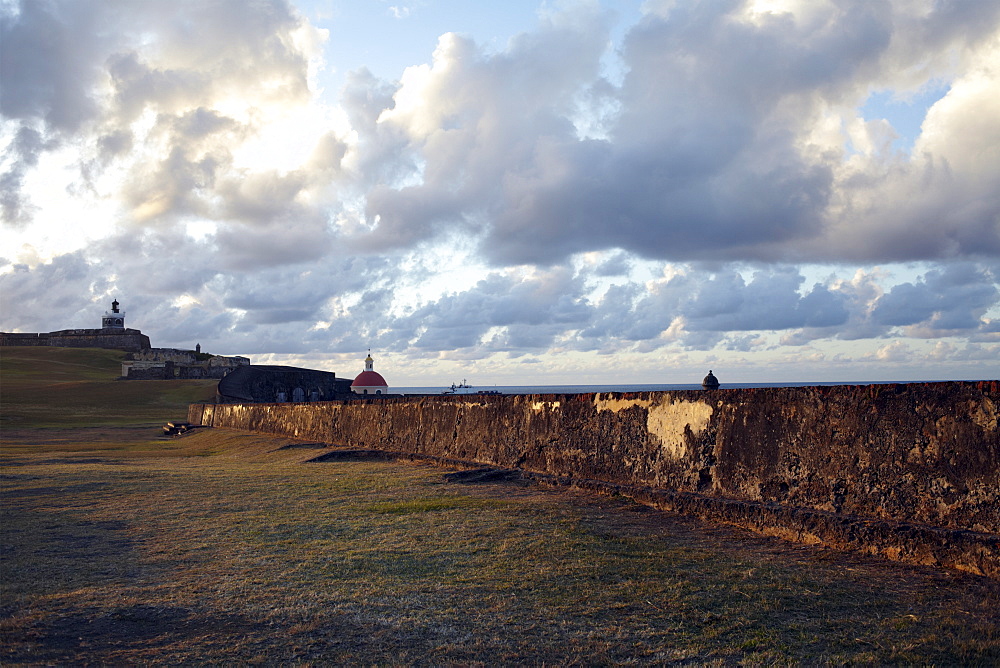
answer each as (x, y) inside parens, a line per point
(131, 340)
(165, 355)
(909, 471)
(23, 339)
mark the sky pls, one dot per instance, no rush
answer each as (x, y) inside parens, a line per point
(517, 193)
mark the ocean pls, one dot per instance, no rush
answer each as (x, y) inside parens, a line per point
(586, 389)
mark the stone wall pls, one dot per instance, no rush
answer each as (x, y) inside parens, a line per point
(266, 383)
(909, 471)
(131, 340)
(171, 363)
(174, 355)
(190, 357)
(154, 372)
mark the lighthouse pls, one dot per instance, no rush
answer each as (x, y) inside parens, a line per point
(113, 319)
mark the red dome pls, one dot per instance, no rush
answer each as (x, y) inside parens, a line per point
(369, 379)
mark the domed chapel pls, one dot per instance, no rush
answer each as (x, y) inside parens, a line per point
(370, 381)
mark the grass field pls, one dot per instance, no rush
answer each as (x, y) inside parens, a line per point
(122, 547)
(43, 387)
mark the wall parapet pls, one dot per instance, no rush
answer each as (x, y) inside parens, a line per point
(839, 458)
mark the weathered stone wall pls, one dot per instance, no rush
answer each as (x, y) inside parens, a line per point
(174, 355)
(23, 339)
(171, 363)
(131, 340)
(915, 453)
(158, 372)
(189, 357)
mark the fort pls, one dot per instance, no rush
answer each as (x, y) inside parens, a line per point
(142, 361)
(112, 334)
(239, 381)
(131, 340)
(267, 383)
(908, 471)
(171, 363)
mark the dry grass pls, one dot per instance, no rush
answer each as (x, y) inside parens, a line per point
(228, 547)
(122, 547)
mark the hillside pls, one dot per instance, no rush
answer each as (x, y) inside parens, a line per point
(79, 387)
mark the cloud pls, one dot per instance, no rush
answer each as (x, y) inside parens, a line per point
(705, 305)
(897, 351)
(507, 311)
(714, 151)
(941, 302)
(470, 120)
(399, 12)
(54, 295)
(714, 147)
(667, 201)
(49, 61)
(163, 92)
(16, 209)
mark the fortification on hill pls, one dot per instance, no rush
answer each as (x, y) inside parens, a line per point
(131, 340)
(142, 361)
(112, 335)
(171, 363)
(910, 471)
(239, 382)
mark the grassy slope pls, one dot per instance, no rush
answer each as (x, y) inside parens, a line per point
(78, 387)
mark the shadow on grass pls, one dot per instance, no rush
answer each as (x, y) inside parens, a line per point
(123, 633)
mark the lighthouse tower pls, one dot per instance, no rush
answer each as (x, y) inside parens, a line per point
(113, 319)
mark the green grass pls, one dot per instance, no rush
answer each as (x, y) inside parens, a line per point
(122, 547)
(46, 387)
